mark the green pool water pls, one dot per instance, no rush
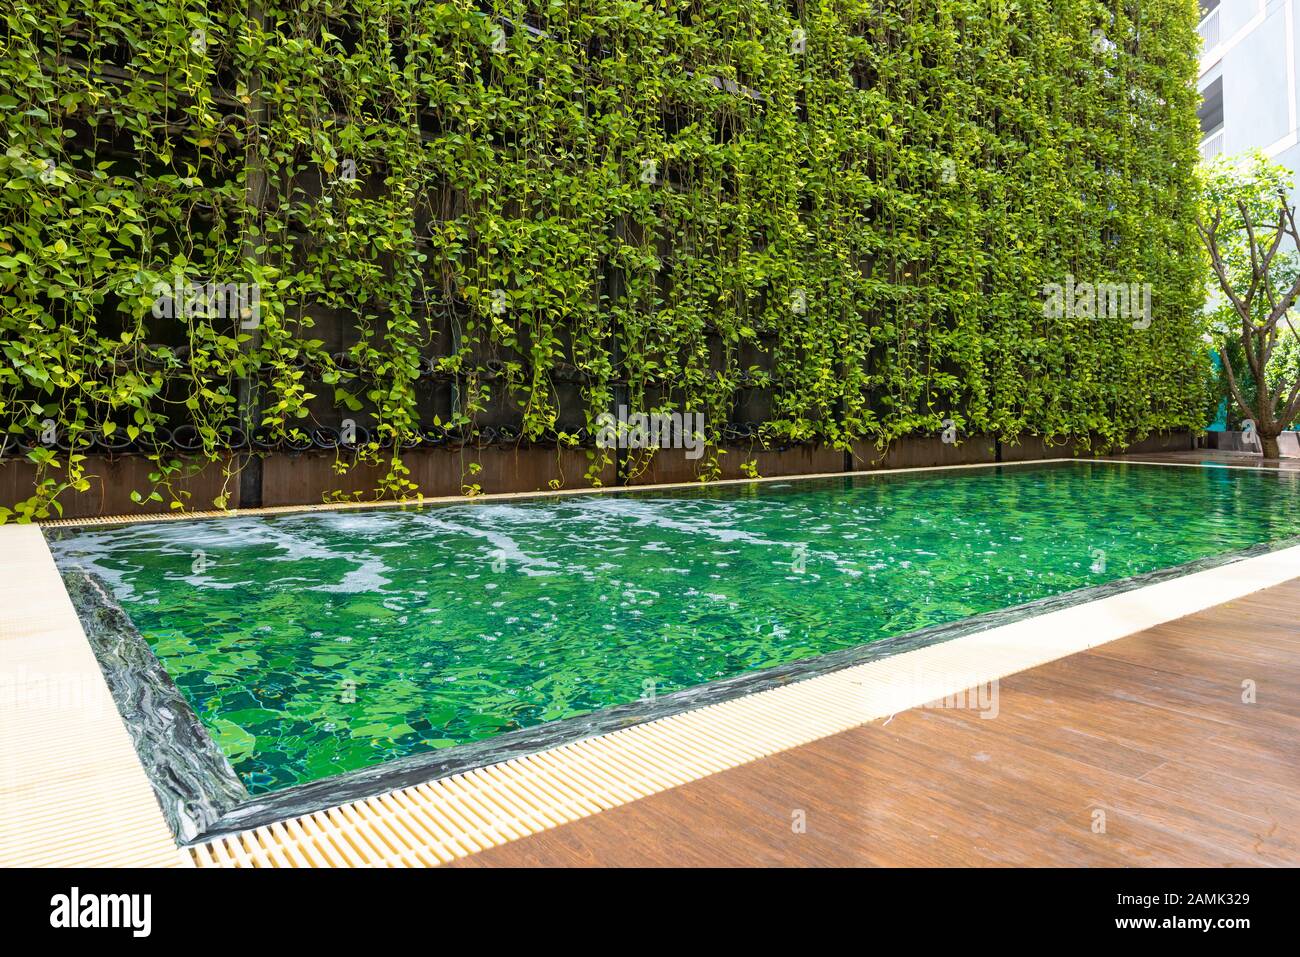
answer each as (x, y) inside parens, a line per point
(319, 643)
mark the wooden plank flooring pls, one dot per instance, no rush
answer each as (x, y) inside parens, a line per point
(1151, 730)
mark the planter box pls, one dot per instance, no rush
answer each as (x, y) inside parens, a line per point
(112, 479)
(307, 478)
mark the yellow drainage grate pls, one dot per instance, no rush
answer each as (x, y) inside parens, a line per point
(442, 820)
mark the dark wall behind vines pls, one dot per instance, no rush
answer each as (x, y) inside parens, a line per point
(824, 222)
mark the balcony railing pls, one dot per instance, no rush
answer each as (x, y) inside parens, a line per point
(1209, 30)
(1211, 146)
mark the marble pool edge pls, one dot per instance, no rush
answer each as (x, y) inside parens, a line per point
(203, 799)
(192, 778)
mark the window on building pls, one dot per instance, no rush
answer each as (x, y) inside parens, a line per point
(1211, 110)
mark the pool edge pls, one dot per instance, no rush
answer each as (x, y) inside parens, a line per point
(72, 789)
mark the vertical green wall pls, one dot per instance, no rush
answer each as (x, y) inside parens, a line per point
(833, 218)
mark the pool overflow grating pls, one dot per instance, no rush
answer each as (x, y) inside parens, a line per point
(443, 820)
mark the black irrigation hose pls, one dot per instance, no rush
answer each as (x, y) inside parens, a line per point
(740, 430)
(186, 438)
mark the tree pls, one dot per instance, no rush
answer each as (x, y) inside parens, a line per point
(1246, 224)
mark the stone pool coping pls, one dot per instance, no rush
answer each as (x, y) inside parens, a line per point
(425, 816)
(72, 789)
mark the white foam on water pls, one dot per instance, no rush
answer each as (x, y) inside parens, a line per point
(503, 545)
(206, 581)
(656, 513)
(91, 551)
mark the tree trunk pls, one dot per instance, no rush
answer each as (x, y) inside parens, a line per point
(1269, 445)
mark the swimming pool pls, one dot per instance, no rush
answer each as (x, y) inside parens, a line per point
(333, 645)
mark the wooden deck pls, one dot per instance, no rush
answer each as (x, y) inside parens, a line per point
(1149, 730)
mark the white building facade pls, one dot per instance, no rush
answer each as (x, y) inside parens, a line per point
(1248, 78)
